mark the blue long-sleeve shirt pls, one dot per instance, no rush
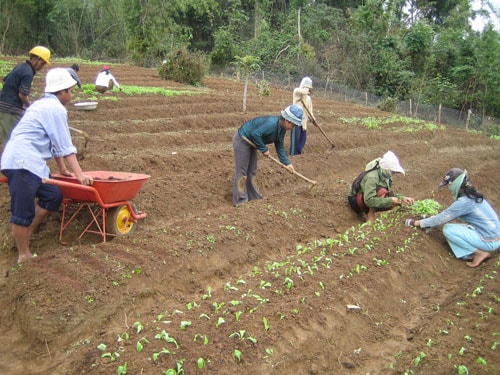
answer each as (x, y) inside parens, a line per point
(478, 214)
(41, 134)
(265, 130)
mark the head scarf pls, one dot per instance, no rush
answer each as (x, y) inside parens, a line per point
(390, 162)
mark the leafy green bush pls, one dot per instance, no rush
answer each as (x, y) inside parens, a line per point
(388, 105)
(184, 67)
(263, 87)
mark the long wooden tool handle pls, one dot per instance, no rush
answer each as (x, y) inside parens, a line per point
(85, 135)
(280, 163)
(315, 123)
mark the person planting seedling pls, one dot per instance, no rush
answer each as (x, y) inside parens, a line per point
(479, 235)
(372, 190)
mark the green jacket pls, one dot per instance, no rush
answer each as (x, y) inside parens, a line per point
(370, 183)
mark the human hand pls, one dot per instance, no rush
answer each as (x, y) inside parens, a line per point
(409, 201)
(396, 201)
(290, 168)
(266, 154)
(86, 180)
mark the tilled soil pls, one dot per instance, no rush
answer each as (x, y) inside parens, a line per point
(265, 288)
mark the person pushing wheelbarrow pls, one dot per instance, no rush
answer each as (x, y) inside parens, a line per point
(41, 134)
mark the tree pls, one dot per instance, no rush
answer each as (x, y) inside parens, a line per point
(246, 65)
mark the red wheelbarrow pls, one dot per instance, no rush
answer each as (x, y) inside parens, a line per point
(108, 200)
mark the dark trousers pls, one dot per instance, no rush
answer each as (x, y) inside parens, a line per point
(245, 160)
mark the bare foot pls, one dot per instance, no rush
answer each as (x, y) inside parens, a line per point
(479, 257)
(23, 258)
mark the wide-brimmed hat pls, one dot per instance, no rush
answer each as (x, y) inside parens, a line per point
(294, 114)
(58, 79)
(390, 162)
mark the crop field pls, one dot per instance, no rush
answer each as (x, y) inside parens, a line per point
(295, 283)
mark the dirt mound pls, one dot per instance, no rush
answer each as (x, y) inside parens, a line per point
(291, 284)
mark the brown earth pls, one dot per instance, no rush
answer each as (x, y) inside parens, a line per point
(272, 278)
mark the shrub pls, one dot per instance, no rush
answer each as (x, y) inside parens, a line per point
(388, 105)
(263, 87)
(184, 67)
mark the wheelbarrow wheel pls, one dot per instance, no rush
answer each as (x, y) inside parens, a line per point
(119, 220)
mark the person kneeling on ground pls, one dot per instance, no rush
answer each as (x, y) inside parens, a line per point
(253, 136)
(372, 190)
(42, 133)
(480, 235)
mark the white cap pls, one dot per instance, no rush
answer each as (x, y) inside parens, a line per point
(391, 162)
(58, 79)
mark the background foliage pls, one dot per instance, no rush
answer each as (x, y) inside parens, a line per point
(424, 50)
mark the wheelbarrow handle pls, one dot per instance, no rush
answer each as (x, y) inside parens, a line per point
(70, 185)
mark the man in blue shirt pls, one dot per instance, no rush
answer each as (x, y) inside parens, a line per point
(254, 135)
(16, 89)
(41, 134)
(479, 236)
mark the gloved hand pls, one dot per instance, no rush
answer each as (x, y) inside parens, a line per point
(410, 222)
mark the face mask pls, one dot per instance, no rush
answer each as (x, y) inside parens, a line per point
(455, 186)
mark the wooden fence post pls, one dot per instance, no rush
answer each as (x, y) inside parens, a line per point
(469, 112)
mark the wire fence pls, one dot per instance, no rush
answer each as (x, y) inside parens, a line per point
(411, 108)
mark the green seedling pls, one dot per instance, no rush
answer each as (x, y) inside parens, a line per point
(266, 324)
(163, 335)
(419, 358)
(138, 327)
(200, 363)
(220, 321)
(191, 305)
(462, 370)
(217, 306)
(427, 207)
(204, 316)
(139, 346)
(461, 351)
(264, 284)
(237, 354)
(124, 336)
(208, 294)
(204, 337)
(178, 371)
(481, 361)
(288, 283)
(184, 324)
(156, 355)
(228, 286)
(122, 370)
(112, 356)
(237, 315)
